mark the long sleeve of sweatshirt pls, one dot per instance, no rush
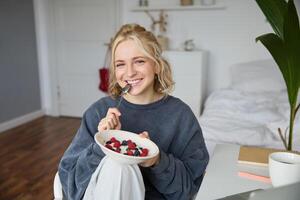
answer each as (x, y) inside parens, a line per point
(80, 159)
(179, 174)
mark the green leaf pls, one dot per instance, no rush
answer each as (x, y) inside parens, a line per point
(274, 10)
(284, 47)
(292, 45)
(276, 47)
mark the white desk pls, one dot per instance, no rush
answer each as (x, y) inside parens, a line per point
(221, 178)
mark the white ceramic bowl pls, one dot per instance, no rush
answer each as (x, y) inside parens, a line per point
(102, 137)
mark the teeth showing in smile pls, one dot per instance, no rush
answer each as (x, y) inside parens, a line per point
(133, 82)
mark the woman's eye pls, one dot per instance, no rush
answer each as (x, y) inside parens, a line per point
(139, 62)
(119, 64)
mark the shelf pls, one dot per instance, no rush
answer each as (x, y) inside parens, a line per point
(178, 7)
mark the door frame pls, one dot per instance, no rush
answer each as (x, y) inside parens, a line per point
(46, 50)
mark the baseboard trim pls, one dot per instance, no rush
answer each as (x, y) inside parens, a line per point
(21, 120)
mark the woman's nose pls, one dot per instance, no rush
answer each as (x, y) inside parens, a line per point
(131, 71)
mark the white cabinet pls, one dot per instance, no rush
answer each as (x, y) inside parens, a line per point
(189, 73)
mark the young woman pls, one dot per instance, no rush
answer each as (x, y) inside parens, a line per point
(147, 109)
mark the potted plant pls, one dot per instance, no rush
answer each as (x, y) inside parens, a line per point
(284, 46)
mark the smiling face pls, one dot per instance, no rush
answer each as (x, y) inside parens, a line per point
(134, 68)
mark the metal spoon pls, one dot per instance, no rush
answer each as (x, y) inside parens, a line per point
(125, 90)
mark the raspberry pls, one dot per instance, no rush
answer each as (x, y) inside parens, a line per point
(109, 146)
(129, 141)
(145, 152)
(131, 145)
(143, 155)
(113, 139)
(117, 144)
(131, 150)
(130, 153)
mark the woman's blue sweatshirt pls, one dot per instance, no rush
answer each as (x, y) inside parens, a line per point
(170, 123)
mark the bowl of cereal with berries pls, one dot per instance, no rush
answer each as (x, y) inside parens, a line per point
(126, 147)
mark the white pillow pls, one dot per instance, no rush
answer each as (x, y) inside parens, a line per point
(257, 76)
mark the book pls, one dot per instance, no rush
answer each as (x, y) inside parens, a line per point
(255, 155)
(255, 177)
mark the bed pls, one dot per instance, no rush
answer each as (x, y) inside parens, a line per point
(250, 111)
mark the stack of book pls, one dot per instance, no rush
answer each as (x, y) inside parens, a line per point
(253, 163)
(255, 155)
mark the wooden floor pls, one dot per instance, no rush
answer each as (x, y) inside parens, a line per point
(29, 155)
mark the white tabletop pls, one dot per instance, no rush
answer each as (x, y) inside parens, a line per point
(221, 178)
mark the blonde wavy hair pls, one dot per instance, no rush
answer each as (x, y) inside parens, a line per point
(147, 42)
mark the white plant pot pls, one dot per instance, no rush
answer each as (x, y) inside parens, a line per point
(284, 168)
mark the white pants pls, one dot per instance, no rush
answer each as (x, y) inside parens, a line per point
(114, 181)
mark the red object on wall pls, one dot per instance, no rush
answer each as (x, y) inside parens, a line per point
(104, 72)
(104, 77)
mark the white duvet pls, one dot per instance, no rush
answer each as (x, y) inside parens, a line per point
(247, 118)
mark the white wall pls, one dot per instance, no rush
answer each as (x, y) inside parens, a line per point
(44, 25)
(228, 34)
(297, 3)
